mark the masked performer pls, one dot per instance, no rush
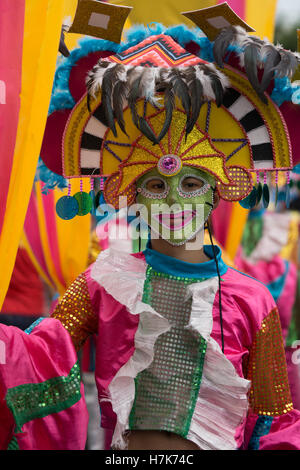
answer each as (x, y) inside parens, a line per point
(189, 351)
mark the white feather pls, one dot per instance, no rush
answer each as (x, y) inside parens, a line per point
(208, 92)
(96, 77)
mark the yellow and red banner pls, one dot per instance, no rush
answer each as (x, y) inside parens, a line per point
(29, 39)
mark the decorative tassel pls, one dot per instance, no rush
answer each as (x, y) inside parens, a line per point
(265, 192)
(67, 207)
(288, 193)
(259, 189)
(92, 196)
(250, 201)
(276, 188)
(84, 201)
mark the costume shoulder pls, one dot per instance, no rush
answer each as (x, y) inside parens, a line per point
(251, 295)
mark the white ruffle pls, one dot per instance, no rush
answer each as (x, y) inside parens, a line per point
(274, 237)
(222, 402)
(123, 276)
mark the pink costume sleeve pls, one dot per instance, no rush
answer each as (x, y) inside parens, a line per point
(42, 403)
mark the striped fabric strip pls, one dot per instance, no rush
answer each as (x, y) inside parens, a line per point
(262, 428)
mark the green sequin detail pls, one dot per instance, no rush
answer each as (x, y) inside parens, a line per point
(13, 445)
(167, 391)
(31, 401)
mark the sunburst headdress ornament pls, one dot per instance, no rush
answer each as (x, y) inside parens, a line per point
(158, 104)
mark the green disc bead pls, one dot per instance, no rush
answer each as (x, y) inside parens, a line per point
(85, 202)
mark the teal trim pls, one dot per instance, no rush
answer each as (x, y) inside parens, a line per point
(276, 287)
(30, 401)
(33, 325)
(175, 267)
(262, 428)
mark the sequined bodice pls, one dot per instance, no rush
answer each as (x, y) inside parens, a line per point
(166, 392)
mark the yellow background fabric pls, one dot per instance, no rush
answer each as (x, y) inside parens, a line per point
(43, 19)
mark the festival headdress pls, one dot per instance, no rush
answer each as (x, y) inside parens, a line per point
(159, 104)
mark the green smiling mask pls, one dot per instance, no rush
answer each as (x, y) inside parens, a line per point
(176, 207)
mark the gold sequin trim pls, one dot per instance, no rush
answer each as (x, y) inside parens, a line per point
(270, 392)
(75, 312)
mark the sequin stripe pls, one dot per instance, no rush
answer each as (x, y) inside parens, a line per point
(31, 401)
(196, 383)
(33, 325)
(262, 428)
(76, 313)
(269, 393)
(13, 445)
(151, 272)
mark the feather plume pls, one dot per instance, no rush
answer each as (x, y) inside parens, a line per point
(180, 89)
(88, 101)
(148, 85)
(288, 63)
(133, 96)
(109, 78)
(204, 79)
(196, 93)
(271, 58)
(139, 122)
(119, 99)
(169, 102)
(147, 131)
(251, 57)
(95, 76)
(222, 41)
(119, 96)
(62, 45)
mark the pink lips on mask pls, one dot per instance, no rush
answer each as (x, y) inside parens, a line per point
(175, 221)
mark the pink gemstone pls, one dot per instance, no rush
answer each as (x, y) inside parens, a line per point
(169, 163)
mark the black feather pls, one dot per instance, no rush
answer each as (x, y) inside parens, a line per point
(107, 87)
(146, 130)
(216, 85)
(181, 90)
(88, 102)
(196, 94)
(62, 46)
(222, 41)
(133, 96)
(272, 60)
(251, 57)
(139, 122)
(119, 96)
(169, 102)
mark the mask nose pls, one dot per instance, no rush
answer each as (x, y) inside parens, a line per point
(172, 196)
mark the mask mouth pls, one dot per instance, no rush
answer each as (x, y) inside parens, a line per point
(175, 220)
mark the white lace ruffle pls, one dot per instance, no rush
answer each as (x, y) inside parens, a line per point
(222, 401)
(123, 276)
